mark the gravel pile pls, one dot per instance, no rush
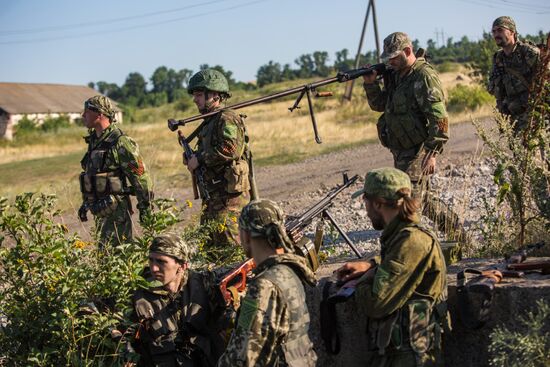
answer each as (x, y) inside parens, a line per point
(465, 188)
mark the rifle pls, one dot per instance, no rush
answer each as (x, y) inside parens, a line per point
(543, 266)
(198, 175)
(520, 255)
(234, 282)
(306, 89)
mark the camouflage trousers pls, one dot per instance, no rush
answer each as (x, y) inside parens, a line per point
(446, 220)
(222, 213)
(404, 358)
(116, 228)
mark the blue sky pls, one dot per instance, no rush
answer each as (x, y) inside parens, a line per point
(74, 42)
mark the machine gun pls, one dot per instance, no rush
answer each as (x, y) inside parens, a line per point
(234, 281)
(198, 174)
(307, 89)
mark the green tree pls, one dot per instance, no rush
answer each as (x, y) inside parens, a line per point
(320, 59)
(269, 73)
(135, 86)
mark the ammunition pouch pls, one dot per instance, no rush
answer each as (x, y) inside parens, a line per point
(104, 207)
(236, 176)
(304, 247)
(101, 184)
(381, 127)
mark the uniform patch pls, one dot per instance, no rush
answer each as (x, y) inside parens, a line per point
(249, 307)
(230, 131)
(228, 149)
(443, 125)
(137, 168)
(380, 280)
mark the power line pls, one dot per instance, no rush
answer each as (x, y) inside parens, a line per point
(501, 5)
(105, 21)
(147, 25)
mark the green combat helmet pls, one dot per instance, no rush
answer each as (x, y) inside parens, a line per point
(209, 79)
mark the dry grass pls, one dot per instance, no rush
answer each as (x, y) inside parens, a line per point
(51, 163)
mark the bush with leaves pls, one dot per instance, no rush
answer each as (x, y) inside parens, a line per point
(464, 97)
(529, 347)
(60, 296)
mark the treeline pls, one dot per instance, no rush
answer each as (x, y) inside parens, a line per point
(168, 85)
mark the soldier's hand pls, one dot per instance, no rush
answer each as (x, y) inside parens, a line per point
(82, 213)
(193, 163)
(428, 163)
(352, 270)
(370, 78)
(184, 159)
(144, 215)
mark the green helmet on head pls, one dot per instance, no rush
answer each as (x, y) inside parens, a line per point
(209, 79)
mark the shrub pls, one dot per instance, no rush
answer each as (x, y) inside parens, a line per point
(55, 123)
(447, 67)
(530, 348)
(463, 97)
(25, 125)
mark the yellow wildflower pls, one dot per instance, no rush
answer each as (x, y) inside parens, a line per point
(189, 203)
(79, 244)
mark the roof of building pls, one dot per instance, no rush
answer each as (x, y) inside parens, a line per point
(43, 98)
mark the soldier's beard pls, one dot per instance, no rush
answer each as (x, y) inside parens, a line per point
(377, 220)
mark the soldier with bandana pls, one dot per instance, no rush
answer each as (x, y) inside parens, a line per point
(273, 323)
(224, 152)
(514, 67)
(177, 314)
(404, 290)
(414, 124)
(112, 170)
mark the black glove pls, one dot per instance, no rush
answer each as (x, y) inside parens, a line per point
(82, 213)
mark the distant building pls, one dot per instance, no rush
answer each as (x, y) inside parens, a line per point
(40, 101)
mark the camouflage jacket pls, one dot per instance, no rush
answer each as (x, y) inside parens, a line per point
(181, 326)
(414, 109)
(511, 78)
(272, 329)
(114, 154)
(223, 150)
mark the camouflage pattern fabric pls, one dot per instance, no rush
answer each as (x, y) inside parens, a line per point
(404, 328)
(394, 44)
(223, 150)
(114, 158)
(102, 105)
(209, 79)
(172, 245)
(272, 329)
(510, 80)
(505, 22)
(264, 218)
(177, 330)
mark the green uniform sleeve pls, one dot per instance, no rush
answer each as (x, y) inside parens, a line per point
(397, 276)
(376, 96)
(134, 169)
(263, 322)
(431, 100)
(229, 142)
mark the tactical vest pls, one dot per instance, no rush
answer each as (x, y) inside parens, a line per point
(405, 125)
(418, 325)
(232, 178)
(99, 181)
(296, 350)
(511, 85)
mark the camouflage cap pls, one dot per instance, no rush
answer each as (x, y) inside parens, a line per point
(505, 22)
(172, 245)
(394, 44)
(102, 105)
(264, 218)
(384, 183)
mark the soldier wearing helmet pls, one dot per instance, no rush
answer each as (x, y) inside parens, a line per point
(113, 169)
(405, 289)
(175, 318)
(514, 67)
(272, 329)
(224, 152)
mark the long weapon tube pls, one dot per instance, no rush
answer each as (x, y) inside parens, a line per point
(340, 77)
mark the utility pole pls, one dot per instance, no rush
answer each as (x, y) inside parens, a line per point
(349, 85)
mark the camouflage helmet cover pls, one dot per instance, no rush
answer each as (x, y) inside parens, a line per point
(172, 245)
(102, 105)
(505, 22)
(209, 79)
(264, 218)
(385, 183)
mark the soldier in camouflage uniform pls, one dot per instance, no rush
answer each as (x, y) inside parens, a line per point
(514, 67)
(414, 124)
(224, 153)
(113, 170)
(404, 290)
(177, 314)
(272, 328)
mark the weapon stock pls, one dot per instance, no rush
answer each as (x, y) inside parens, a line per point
(197, 176)
(305, 89)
